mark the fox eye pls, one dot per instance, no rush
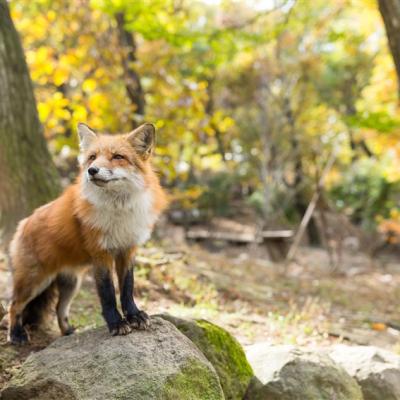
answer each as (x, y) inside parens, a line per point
(92, 157)
(118, 157)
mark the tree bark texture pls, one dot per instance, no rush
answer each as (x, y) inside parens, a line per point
(390, 11)
(28, 177)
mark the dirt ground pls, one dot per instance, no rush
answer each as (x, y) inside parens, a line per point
(239, 288)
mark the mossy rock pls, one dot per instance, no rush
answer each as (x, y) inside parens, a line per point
(192, 382)
(222, 350)
(157, 364)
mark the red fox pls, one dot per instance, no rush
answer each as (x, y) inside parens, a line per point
(99, 220)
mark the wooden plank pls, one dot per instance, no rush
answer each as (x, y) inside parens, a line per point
(277, 234)
(242, 237)
(227, 236)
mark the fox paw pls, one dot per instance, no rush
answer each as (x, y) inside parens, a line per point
(18, 336)
(69, 331)
(122, 328)
(139, 320)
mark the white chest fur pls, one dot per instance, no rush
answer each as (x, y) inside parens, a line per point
(123, 223)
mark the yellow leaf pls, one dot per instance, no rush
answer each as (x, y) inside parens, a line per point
(60, 76)
(89, 85)
(80, 113)
(44, 111)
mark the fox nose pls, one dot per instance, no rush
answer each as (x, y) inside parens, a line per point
(93, 171)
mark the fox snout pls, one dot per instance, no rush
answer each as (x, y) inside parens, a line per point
(101, 175)
(95, 171)
(92, 171)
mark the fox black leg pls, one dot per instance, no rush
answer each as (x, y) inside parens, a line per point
(68, 285)
(105, 288)
(17, 333)
(137, 319)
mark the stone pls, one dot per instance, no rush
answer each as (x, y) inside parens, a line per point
(377, 371)
(290, 373)
(159, 363)
(222, 350)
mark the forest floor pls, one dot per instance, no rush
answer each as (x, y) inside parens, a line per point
(241, 290)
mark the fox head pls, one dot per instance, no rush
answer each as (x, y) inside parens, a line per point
(115, 163)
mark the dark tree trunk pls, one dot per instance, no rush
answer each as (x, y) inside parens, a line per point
(390, 11)
(300, 202)
(133, 85)
(351, 111)
(28, 177)
(210, 111)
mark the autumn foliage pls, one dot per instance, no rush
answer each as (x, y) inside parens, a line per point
(249, 99)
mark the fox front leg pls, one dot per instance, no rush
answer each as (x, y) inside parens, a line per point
(105, 289)
(137, 319)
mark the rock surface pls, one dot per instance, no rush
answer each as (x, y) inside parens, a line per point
(159, 363)
(377, 371)
(222, 350)
(289, 373)
(180, 359)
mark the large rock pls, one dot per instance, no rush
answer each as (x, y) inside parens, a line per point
(159, 363)
(289, 373)
(377, 371)
(222, 350)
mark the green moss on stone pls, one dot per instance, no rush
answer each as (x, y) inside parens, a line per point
(222, 350)
(194, 382)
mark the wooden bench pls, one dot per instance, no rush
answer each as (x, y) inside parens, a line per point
(232, 237)
(276, 241)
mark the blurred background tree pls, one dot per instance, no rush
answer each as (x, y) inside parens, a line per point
(27, 173)
(249, 97)
(390, 10)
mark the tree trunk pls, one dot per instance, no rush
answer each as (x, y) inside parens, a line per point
(351, 111)
(28, 177)
(133, 85)
(210, 109)
(265, 139)
(300, 202)
(390, 11)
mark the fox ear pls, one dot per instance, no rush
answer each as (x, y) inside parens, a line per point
(86, 136)
(143, 140)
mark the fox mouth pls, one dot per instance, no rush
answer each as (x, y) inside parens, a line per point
(102, 182)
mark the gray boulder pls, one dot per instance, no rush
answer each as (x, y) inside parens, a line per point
(159, 363)
(377, 371)
(222, 350)
(290, 373)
